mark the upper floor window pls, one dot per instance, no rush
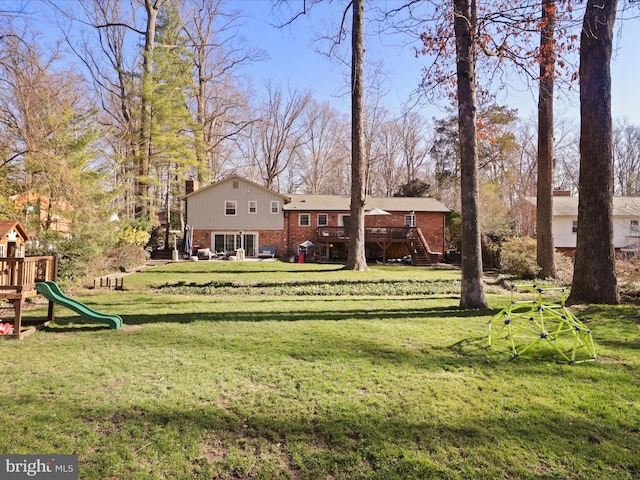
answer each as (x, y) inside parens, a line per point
(235, 184)
(253, 206)
(1, 250)
(410, 220)
(275, 206)
(633, 226)
(574, 226)
(323, 219)
(304, 219)
(230, 207)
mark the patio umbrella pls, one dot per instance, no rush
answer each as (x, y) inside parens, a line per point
(186, 243)
(376, 211)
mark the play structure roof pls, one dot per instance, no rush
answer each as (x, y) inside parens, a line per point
(7, 225)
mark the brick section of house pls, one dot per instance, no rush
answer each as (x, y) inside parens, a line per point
(202, 238)
(431, 225)
(266, 238)
(298, 234)
(273, 238)
(286, 242)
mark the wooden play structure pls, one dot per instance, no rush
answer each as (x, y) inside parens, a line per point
(19, 275)
(23, 277)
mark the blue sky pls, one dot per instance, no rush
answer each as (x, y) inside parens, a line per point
(293, 61)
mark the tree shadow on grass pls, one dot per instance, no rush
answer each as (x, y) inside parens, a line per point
(299, 315)
(508, 441)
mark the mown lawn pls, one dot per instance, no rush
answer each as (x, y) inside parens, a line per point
(273, 370)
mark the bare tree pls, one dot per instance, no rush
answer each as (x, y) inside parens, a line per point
(221, 111)
(386, 173)
(415, 143)
(47, 128)
(323, 151)
(98, 35)
(626, 154)
(280, 133)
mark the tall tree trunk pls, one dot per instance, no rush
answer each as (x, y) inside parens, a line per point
(143, 201)
(356, 259)
(544, 217)
(594, 279)
(472, 292)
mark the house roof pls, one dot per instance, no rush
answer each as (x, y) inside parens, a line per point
(342, 203)
(237, 178)
(568, 206)
(7, 225)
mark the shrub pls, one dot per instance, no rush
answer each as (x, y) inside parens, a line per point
(125, 257)
(518, 257)
(564, 268)
(454, 230)
(133, 235)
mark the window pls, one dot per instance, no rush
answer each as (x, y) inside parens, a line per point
(633, 226)
(226, 242)
(323, 219)
(275, 206)
(574, 226)
(230, 207)
(1, 250)
(304, 219)
(253, 206)
(235, 185)
(410, 220)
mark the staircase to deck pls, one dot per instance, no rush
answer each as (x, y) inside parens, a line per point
(421, 255)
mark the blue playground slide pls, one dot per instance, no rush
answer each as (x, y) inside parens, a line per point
(51, 291)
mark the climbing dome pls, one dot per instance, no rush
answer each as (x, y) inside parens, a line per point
(524, 324)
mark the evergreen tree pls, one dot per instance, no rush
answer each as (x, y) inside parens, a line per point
(172, 132)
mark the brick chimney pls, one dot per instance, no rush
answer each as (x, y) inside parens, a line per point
(190, 186)
(560, 192)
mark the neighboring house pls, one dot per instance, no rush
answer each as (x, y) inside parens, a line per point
(39, 210)
(236, 213)
(12, 239)
(626, 223)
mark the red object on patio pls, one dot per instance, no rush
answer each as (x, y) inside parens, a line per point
(5, 328)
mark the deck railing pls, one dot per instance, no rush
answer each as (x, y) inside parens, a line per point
(18, 274)
(371, 234)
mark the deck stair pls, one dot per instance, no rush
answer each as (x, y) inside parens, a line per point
(421, 254)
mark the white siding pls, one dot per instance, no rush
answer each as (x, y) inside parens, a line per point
(622, 234)
(563, 235)
(206, 207)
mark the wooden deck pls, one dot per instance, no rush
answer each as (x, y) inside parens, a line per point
(18, 278)
(412, 237)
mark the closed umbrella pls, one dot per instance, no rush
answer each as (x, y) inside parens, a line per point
(186, 243)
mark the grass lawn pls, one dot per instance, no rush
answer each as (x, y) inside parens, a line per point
(274, 370)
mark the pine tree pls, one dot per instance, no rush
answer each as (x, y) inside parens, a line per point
(172, 132)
